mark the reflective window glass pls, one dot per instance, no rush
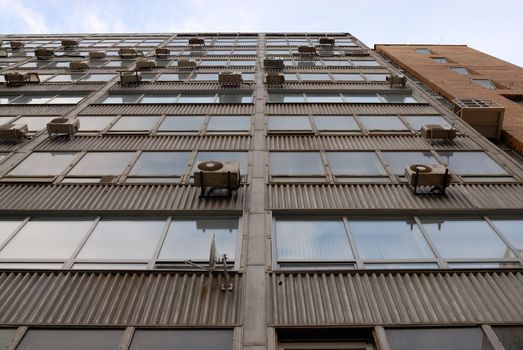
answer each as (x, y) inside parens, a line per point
(220, 123)
(399, 160)
(182, 339)
(382, 123)
(192, 239)
(286, 98)
(440, 59)
(234, 98)
(513, 230)
(102, 164)
(361, 98)
(471, 163)
(192, 123)
(398, 98)
(295, 163)
(355, 163)
(288, 123)
(302, 240)
(46, 239)
(134, 123)
(466, 239)
(314, 76)
(460, 70)
(423, 51)
(152, 99)
(241, 157)
(93, 123)
(323, 98)
(200, 98)
(98, 77)
(335, 123)
(417, 122)
(347, 77)
(123, 239)
(43, 164)
(438, 339)
(485, 83)
(69, 339)
(65, 78)
(366, 63)
(510, 336)
(35, 123)
(7, 227)
(66, 100)
(6, 335)
(161, 164)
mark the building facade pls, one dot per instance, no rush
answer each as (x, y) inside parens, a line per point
(458, 71)
(105, 242)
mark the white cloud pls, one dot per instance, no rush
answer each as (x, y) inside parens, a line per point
(25, 17)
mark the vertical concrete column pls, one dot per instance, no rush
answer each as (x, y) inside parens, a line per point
(255, 321)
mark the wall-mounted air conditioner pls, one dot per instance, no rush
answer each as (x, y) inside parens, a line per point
(214, 175)
(435, 177)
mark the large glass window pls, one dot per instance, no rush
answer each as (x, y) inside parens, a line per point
(134, 123)
(43, 164)
(423, 51)
(438, 339)
(102, 164)
(182, 123)
(6, 335)
(335, 123)
(229, 123)
(416, 122)
(460, 70)
(182, 340)
(399, 160)
(378, 123)
(94, 123)
(513, 230)
(485, 83)
(288, 123)
(35, 123)
(7, 227)
(471, 163)
(68, 339)
(510, 336)
(161, 164)
(355, 163)
(295, 164)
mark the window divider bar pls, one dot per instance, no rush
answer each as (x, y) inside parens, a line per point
(492, 337)
(69, 262)
(442, 264)
(127, 337)
(159, 245)
(352, 242)
(20, 332)
(504, 239)
(14, 233)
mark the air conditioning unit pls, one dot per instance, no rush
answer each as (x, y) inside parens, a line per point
(196, 41)
(69, 43)
(44, 54)
(436, 131)
(107, 179)
(18, 79)
(307, 50)
(423, 175)
(96, 55)
(230, 79)
(184, 63)
(273, 63)
(327, 41)
(78, 66)
(397, 80)
(3, 53)
(130, 78)
(213, 175)
(357, 53)
(16, 45)
(128, 52)
(63, 127)
(275, 78)
(14, 132)
(144, 64)
(162, 53)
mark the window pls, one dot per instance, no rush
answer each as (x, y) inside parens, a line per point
(175, 98)
(182, 340)
(224, 156)
(67, 339)
(134, 123)
(314, 76)
(423, 51)
(289, 123)
(442, 60)
(511, 337)
(471, 163)
(438, 338)
(460, 70)
(43, 164)
(485, 83)
(335, 123)
(94, 123)
(182, 124)
(355, 164)
(366, 63)
(102, 164)
(347, 77)
(7, 227)
(382, 123)
(295, 164)
(418, 121)
(513, 230)
(41, 99)
(236, 124)
(34, 123)
(361, 98)
(398, 161)
(6, 334)
(161, 164)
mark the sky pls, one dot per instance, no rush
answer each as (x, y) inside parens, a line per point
(494, 27)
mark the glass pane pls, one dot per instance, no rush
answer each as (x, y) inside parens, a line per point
(35, 123)
(376, 77)
(365, 63)
(399, 160)
(7, 227)
(241, 157)
(203, 98)
(108, 266)
(286, 98)
(471, 163)
(513, 230)
(361, 98)
(423, 51)
(314, 76)
(123, 239)
(398, 98)
(5, 337)
(347, 77)
(27, 99)
(355, 163)
(389, 240)
(418, 122)
(46, 239)
(43, 164)
(70, 339)
(229, 124)
(440, 59)
(67, 100)
(295, 163)
(460, 70)
(5, 120)
(161, 164)
(98, 77)
(94, 123)
(159, 99)
(65, 78)
(336, 123)
(462, 239)
(102, 163)
(193, 123)
(323, 98)
(288, 123)
(191, 239)
(234, 98)
(383, 123)
(134, 124)
(510, 337)
(204, 77)
(117, 99)
(312, 240)
(438, 339)
(182, 339)
(484, 83)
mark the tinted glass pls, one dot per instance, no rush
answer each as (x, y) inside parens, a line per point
(341, 123)
(35, 123)
(314, 76)
(389, 240)
(241, 157)
(161, 164)
(361, 98)
(513, 230)
(460, 70)
(46, 239)
(193, 123)
(286, 98)
(312, 240)
(295, 163)
(471, 163)
(70, 339)
(323, 98)
(484, 83)
(123, 239)
(510, 337)
(7, 227)
(191, 239)
(417, 122)
(423, 51)
(355, 163)
(466, 239)
(5, 337)
(382, 123)
(234, 98)
(182, 340)
(229, 124)
(43, 164)
(134, 124)
(399, 160)
(282, 123)
(94, 123)
(102, 163)
(438, 339)
(347, 77)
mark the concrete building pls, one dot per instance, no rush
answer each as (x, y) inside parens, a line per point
(460, 72)
(105, 242)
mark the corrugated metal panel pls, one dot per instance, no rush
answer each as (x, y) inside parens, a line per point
(180, 86)
(135, 142)
(118, 298)
(36, 109)
(114, 197)
(400, 142)
(395, 298)
(342, 109)
(181, 109)
(393, 196)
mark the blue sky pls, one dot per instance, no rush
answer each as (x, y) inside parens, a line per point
(494, 27)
